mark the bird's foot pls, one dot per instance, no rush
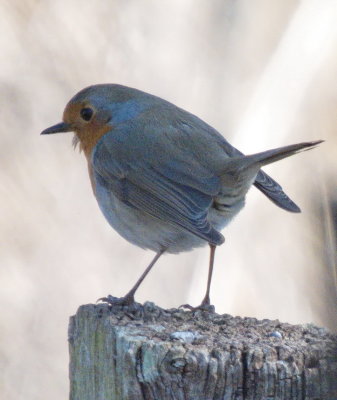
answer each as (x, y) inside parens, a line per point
(204, 306)
(127, 306)
(127, 300)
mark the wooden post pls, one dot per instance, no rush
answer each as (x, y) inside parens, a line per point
(147, 353)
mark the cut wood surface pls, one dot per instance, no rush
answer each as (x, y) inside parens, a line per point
(144, 352)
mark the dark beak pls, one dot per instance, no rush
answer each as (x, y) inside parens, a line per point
(58, 128)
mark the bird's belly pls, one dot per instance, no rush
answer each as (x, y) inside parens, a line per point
(149, 232)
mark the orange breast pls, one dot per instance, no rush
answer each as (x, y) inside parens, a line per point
(88, 141)
(88, 133)
(90, 136)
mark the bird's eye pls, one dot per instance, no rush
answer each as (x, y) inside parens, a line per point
(86, 113)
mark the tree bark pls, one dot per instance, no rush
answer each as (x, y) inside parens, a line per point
(147, 353)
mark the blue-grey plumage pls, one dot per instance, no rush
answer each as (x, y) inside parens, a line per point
(163, 178)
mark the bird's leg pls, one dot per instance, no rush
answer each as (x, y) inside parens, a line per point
(129, 298)
(206, 304)
(206, 300)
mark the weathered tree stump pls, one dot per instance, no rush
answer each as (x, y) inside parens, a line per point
(147, 353)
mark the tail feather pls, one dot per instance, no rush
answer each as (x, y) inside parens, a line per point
(241, 172)
(274, 192)
(270, 156)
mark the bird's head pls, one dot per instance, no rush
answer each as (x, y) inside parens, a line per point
(96, 110)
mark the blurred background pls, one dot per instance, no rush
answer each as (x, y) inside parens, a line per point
(263, 73)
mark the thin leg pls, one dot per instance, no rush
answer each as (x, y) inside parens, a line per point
(206, 300)
(206, 304)
(129, 297)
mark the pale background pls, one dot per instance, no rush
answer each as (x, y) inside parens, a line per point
(262, 72)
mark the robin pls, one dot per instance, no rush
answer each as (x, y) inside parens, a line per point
(164, 179)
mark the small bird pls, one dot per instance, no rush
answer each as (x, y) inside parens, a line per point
(164, 179)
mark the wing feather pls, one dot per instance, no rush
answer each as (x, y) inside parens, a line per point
(159, 189)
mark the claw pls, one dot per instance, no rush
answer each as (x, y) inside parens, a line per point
(117, 301)
(203, 307)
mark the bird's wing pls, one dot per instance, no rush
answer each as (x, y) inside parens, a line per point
(152, 174)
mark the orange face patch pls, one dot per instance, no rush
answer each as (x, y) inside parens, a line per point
(87, 132)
